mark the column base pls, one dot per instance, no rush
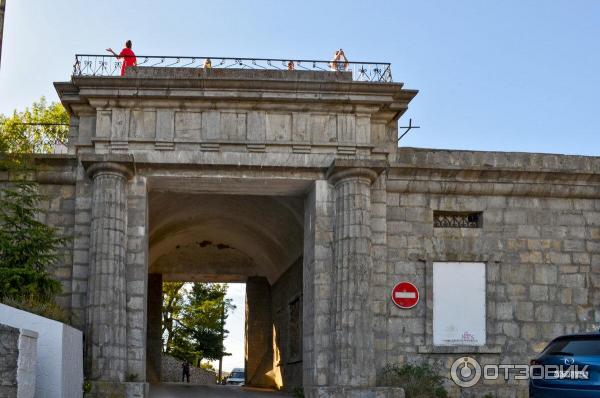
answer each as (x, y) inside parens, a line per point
(108, 389)
(353, 392)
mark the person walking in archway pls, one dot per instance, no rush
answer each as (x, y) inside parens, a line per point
(185, 371)
(127, 56)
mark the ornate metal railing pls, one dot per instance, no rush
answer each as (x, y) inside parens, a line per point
(108, 65)
(451, 219)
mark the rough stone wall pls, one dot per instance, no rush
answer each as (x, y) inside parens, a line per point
(286, 298)
(56, 178)
(542, 256)
(9, 356)
(380, 274)
(259, 353)
(18, 359)
(81, 246)
(59, 206)
(317, 271)
(137, 276)
(154, 343)
(171, 372)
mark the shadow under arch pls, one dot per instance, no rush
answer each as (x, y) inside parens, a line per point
(212, 237)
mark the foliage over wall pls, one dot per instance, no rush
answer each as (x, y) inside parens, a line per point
(28, 247)
(193, 320)
(35, 130)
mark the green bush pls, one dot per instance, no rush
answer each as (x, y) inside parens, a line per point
(418, 380)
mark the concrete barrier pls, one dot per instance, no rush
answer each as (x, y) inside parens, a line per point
(59, 368)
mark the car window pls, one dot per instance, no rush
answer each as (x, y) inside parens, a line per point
(237, 375)
(574, 346)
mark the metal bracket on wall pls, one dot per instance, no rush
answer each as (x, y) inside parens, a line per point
(408, 128)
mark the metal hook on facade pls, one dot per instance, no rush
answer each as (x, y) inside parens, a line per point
(408, 128)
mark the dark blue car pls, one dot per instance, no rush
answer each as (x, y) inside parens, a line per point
(564, 363)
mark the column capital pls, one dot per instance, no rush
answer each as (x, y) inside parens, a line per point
(342, 169)
(122, 165)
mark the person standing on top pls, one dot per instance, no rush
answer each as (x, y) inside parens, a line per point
(126, 55)
(339, 63)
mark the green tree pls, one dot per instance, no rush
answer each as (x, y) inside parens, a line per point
(173, 296)
(35, 130)
(197, 330)
(28, 247)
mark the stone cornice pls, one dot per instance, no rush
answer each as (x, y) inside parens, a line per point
(373, 97)
(494, 173)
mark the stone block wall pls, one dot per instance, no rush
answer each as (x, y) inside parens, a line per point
(259, 355)
(541, 250)
(59, 206)
(56, 178)
(171, 372)
(317, 279)
(9, 357)
(286, 299)
(18, 359)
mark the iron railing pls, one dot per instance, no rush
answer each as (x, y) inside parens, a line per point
(108, 65)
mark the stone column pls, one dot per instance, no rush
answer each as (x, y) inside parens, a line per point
(154, 328)
(353, 356)
(106, 320)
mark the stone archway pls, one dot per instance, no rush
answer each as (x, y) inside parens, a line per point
(253, 239)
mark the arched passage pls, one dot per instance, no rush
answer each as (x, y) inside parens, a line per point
(234, 238)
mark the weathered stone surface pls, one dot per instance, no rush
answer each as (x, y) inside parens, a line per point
(18, 359)
(9, 357)
(224, 139)
(259, 334)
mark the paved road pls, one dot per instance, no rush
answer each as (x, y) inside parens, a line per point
(178, 390)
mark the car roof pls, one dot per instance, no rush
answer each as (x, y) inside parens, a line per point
(583, 334)
(237, 370)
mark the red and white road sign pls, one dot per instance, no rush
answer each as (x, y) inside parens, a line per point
(405, 295)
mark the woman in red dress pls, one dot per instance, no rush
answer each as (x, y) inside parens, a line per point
(126, 55)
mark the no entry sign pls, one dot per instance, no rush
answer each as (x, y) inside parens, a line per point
(405, 295)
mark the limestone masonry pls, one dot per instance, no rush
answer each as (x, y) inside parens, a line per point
(294, 184)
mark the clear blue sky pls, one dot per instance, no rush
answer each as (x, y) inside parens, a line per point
(516, 75)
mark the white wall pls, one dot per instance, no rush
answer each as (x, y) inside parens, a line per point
(60, 353)
(459, 304)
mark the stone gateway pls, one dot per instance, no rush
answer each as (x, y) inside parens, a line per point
(292, 181)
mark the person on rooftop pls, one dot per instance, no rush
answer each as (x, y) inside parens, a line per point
(207, 64)
(126, 55)
(339, 63)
